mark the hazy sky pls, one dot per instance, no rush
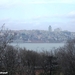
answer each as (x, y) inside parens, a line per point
(38, 14)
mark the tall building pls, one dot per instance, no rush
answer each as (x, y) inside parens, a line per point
(50, 29)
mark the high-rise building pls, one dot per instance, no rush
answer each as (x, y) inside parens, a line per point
(50, 29)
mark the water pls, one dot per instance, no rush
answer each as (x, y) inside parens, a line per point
(38, 46)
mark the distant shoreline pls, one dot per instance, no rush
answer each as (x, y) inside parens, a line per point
(14, 41)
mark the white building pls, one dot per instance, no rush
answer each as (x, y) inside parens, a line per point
(57, 30)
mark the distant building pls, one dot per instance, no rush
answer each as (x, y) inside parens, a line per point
(57, 30)
(50, 29)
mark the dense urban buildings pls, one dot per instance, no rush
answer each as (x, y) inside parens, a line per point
(42, 36)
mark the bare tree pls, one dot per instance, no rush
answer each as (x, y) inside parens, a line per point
(29, 61)
(11, 60)
(22, 62)
(66, 58)
(48, 62)
(5, 38)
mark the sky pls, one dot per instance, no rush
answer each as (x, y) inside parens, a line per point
(38, 14)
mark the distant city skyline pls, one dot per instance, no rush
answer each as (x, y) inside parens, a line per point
(38, 14)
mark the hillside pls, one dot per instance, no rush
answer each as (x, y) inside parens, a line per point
(42, 36)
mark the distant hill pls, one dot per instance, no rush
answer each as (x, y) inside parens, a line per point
(42, 36)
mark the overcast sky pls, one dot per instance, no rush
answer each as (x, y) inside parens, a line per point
(38, 14)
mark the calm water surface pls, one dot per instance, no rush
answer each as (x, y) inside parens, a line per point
(38, 46)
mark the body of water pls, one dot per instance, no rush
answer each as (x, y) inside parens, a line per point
(38, 46)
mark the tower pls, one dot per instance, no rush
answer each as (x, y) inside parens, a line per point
(50, 29)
